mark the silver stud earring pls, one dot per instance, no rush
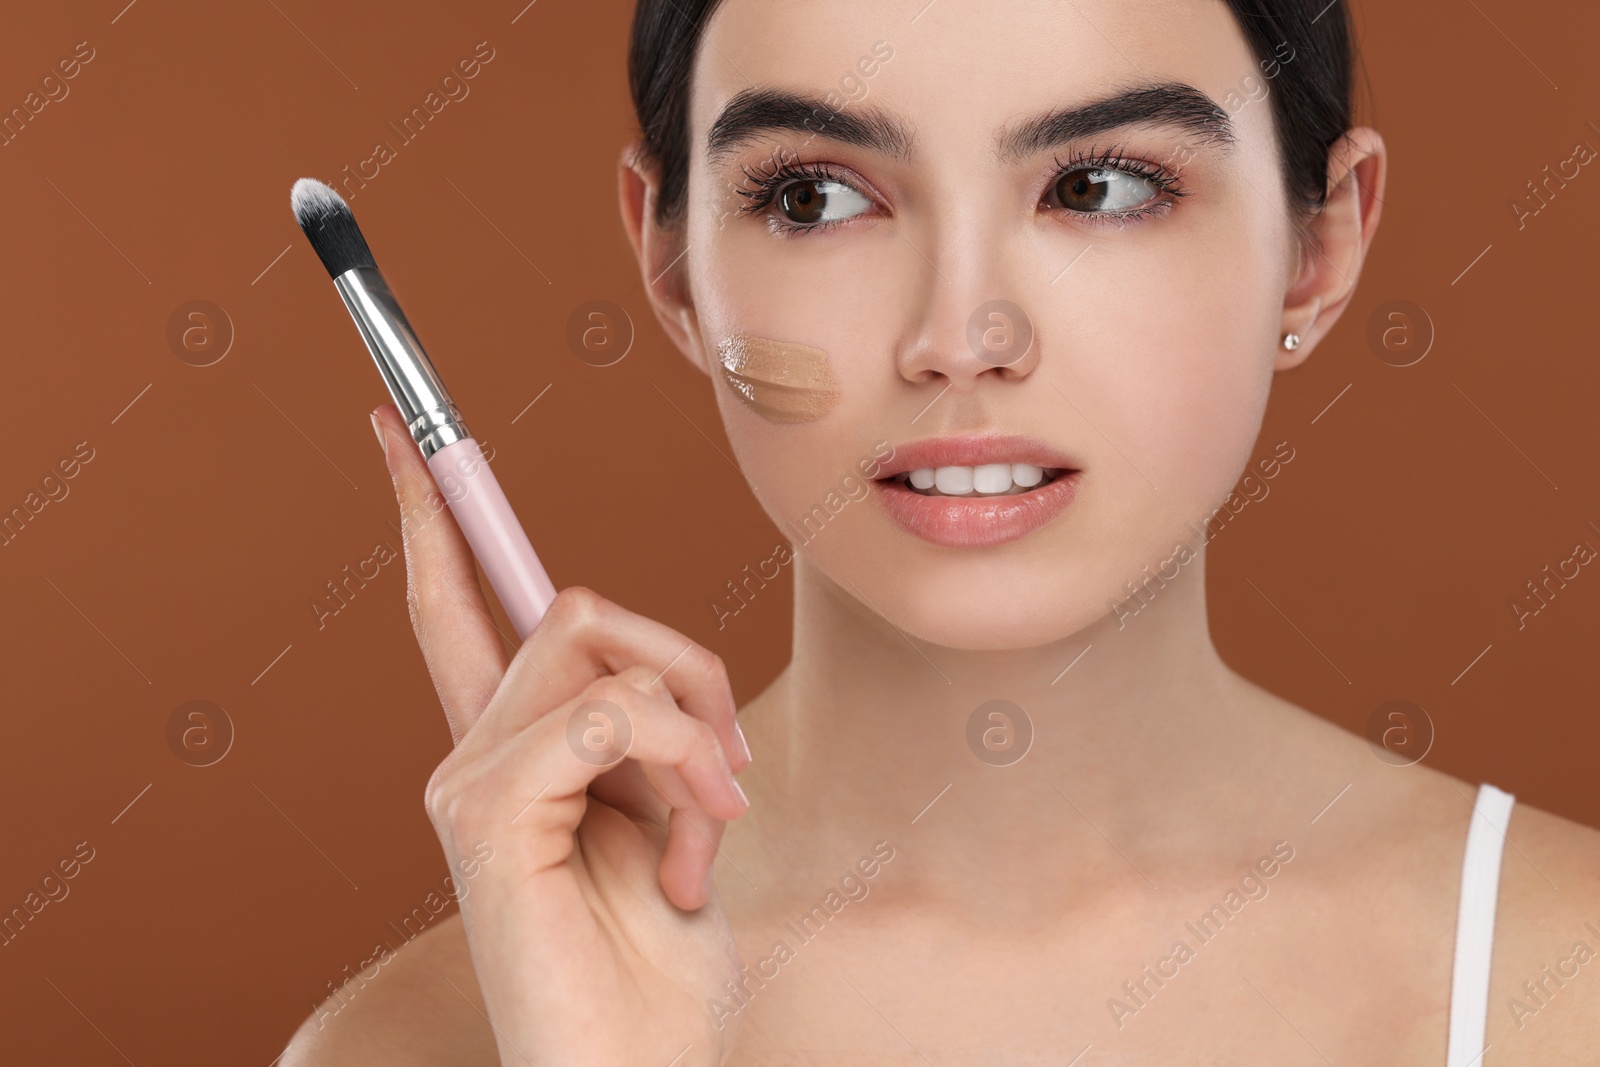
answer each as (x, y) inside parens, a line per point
(1292, 341)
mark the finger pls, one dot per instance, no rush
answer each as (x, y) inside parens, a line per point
(693, 837)
(687, 861)
(644, 791)
(683, 769)
(449, 615)
(539, 782)
(584, 637)
(700, 776)
(532, 773)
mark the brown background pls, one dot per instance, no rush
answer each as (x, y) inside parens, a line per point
(181, 567)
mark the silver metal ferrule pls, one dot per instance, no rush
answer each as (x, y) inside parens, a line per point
(407, 371)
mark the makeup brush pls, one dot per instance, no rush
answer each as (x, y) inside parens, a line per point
(436, 425)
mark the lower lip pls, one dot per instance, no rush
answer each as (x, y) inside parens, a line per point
(976, 522)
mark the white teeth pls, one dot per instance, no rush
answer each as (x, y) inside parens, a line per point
(989, 479)
(992, 478)
(953, 480)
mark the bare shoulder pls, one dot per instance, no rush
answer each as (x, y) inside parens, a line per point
(422, 1008)
(1544, 986)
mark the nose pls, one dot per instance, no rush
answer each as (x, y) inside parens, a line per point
(969, 329)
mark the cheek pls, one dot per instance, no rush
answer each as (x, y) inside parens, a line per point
(1180, 366)
(1206, 379)
(810, 481)
(799, 297)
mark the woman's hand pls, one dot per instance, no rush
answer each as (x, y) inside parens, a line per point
(593, 925)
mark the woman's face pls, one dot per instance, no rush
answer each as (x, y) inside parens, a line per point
(1155, 317)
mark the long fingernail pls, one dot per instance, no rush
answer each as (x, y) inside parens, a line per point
(738, 789)
(738, 734)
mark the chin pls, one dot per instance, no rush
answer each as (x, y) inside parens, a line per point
(989, 605)
(983, 622)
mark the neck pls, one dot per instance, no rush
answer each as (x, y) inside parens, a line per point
(868, 735)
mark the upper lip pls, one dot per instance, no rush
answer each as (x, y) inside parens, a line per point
(975, 450)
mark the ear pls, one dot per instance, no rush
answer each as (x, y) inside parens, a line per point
(1325, 278)
(660, 252)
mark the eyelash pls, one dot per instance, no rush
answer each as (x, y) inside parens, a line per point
(1164, 180)
(767, 187)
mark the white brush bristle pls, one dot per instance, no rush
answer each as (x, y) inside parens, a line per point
(311, 199)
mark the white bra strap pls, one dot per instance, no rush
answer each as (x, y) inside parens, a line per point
(1480, 888)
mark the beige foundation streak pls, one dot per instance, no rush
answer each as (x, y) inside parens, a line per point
(779, 381)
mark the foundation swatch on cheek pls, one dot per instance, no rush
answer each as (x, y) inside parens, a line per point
(779, 381)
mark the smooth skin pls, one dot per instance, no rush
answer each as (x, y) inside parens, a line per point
(1019, 899)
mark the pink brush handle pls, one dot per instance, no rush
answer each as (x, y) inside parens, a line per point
(492, 529)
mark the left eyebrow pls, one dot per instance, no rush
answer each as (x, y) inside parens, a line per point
(1163, 104)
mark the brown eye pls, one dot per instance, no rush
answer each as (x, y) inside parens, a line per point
(802, 202)
(814, 201)
(1099, 190)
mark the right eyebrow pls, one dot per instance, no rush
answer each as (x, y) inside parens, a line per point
(756, 111)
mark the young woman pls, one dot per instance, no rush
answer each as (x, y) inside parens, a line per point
(991, 294)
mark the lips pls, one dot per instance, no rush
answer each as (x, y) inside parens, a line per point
(977, 521)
